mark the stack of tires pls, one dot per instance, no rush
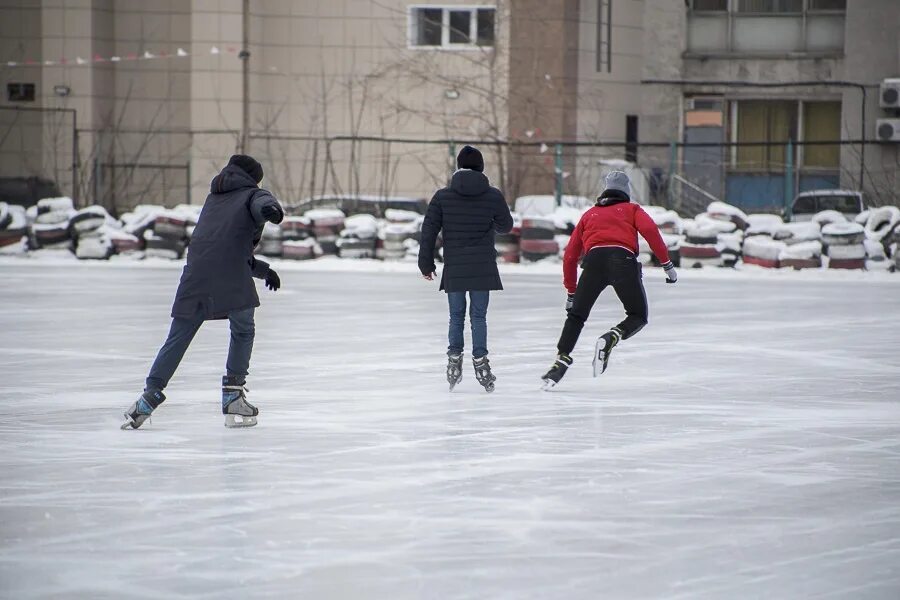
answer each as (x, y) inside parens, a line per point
(270, 244)
(295, 229)
(882, 227)
(507, 245)
(168, 238)
(13, 229)
(88, 227)
(125, 244)
(538, 239)
(307, 249)
(327, 224)
(357, 239)
(763, 251)
(701, 241)
(50, 229)
(671, 227)
(803, 245)
(844, 245)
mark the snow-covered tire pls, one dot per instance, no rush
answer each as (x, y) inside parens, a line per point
(5, 215)
(847, 252)
(848, 263)
(882, 222)
(170, 226)
(837, 234)
(691, 251)
(50, 234)
(163, 247)
(801, 263)
(537, 234)
(546, 247)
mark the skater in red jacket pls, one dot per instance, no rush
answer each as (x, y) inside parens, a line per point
(605, 240)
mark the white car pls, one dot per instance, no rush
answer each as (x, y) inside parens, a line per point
(808, 204)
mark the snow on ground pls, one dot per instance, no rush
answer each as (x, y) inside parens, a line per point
(745, 445)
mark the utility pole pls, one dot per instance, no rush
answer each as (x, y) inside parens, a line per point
(244, 55)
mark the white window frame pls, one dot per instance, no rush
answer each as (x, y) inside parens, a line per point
(412, 31)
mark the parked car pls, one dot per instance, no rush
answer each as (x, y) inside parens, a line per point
(26, 191)
(808, 204)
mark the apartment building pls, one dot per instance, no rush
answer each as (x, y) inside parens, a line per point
(366, 97)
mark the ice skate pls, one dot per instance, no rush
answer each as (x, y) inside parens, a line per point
(603, 349)
(142, 408)
(454, 369)
(483, 373)
(552, 377)
(238, 412)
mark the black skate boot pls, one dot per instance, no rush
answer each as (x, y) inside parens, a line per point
(552, 377)
(238, 412)
(483, 373)
(142, 408)
(454, 369)
(603, 349)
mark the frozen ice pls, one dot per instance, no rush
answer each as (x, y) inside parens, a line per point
(746, 444)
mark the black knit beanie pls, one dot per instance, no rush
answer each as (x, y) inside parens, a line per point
(470, 158)
(249, 165)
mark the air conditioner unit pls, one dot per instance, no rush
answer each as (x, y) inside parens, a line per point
(887, 130)
(889, 94)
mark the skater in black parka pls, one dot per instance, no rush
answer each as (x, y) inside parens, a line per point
(469, 212)
(217, 284)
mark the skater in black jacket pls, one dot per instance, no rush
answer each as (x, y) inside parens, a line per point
(468, 212)
(217, 284)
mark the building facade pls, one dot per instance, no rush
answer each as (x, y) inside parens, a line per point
(736, 97)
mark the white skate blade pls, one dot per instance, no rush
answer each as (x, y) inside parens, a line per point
(548, 384)
(598, 363)
(235, 421)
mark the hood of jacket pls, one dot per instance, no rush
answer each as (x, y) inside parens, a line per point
(610, 197)
(467, 182)
(231, 178)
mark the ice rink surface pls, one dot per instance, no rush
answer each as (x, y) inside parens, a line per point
(746, 444)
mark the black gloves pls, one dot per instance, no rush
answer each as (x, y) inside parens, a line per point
(570, 299)
(272, 214)
(273, 282)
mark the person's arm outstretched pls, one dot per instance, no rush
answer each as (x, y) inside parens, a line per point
(264, 207)
(650, 232)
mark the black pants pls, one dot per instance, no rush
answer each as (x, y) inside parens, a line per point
(604, 267)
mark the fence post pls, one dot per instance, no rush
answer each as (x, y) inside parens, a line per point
(788, 178)
(673, 164)
(187, 191)
(559, 175)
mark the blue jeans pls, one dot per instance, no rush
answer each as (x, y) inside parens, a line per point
(477, 316)
(182, 333)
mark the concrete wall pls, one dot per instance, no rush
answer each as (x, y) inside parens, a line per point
(872, 54)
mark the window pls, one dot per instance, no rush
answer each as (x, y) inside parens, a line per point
(428, 26)
(451, 26)
(604, 36)
(710, 5)
(836, 5)
(777, 121)
(631, 138)
(770, 121)
(770, 6)
(460, 26)
(766, 27)
(485, 27)
(20, 92)
(822, 123)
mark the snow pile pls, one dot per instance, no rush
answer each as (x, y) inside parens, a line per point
(795, 233)
(827, 217)
(843, 233)
(327, 224)
(763, 224)
(668, 221)
(844, 245)
(802, 255)
(13, 229)
(396, 215)
(763, 251)
(358, 238)
(725, 212)
(882, 223)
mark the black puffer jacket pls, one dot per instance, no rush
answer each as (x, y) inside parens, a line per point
(469, 212)
(217, 278)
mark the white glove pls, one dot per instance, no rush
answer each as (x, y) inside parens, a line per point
(671, 275)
